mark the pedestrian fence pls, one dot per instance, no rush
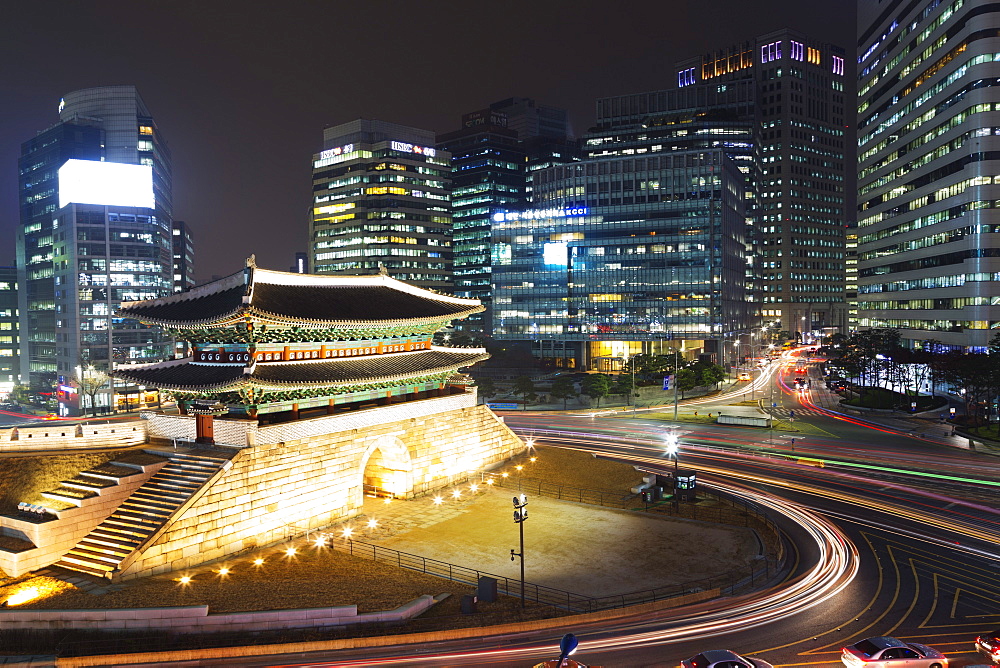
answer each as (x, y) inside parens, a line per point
(767, 565)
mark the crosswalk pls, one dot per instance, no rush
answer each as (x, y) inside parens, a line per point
(784, 413)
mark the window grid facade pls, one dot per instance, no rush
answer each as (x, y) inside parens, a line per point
(929, 150)
(381, 198)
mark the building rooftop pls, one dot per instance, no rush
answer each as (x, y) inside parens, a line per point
(283, 298)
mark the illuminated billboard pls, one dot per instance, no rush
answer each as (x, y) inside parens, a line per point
(555, 253)
(106, 183)
(539, 214)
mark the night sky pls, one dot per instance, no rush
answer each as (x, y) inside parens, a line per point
(243, 90)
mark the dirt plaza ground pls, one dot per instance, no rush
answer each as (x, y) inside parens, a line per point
(583, 549)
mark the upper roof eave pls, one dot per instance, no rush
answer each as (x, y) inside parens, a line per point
(284, 298)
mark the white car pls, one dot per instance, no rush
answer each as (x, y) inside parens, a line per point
(723, 658)
(885, 652)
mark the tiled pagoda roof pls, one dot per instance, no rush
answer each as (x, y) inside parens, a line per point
(184, 375)
(309, 300)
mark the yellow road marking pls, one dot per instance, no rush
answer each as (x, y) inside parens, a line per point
(832, 630)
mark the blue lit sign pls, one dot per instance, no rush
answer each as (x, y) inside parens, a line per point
(537, 214)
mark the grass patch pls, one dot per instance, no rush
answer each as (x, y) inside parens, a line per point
(879, 397)
(25, 477)
(576, 469)
(990, 431)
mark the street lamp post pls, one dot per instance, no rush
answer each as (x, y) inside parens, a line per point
(629, 359)
(677, 353)
(520, 515)
(672, 451)
(770, 381)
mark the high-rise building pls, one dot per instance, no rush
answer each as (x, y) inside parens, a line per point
(494, 155)
(776, 105)
(851, 278)
(9, 335)
(183, 247)
(301, 265)
(38, 195)
(928, 215)
(381, 200)
(488, 175)
(95, 198)
(544, 132)
(626, 255)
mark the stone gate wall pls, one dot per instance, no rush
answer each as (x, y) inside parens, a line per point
(275, 490)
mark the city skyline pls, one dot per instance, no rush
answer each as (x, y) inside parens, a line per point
(246, 100)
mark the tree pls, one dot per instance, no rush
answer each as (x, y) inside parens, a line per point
(596, 386)
(524, 386)
(487, 388)
(564, 388)
(623, 386)
(974, 376)
(21, 394)
(868, 356)
(686, 380)
(648, 367)
(90, 383)
(709, 374)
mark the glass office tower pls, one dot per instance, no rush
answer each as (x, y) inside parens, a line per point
(183, 251)
(488, 175)
(105, 124)
(494, 157)
(929, 171)
(9, 335)
(777, 105)
(381, 198)
(622, 256)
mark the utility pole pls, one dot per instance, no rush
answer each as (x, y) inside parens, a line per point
(520, 515)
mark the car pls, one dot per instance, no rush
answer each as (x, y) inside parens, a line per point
(988, 645)
(723, 658)
(886, 652)
(743, 376)
(51, 416)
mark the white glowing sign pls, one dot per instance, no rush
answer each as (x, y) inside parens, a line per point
(537, 214)
(554, 252)
(106, 183)
(333, 152)
(412, 148)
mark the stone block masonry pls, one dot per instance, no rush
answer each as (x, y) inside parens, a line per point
(59, 436)
(65, 528)
(276, 490)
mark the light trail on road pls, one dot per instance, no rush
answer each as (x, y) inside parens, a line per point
(952, 519)
(833, 570)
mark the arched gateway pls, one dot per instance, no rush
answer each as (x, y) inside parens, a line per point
(311, 389)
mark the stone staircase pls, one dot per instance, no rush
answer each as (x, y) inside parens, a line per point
(143, 513)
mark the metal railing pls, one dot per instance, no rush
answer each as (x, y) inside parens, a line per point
(725, 510)
(728, 583)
